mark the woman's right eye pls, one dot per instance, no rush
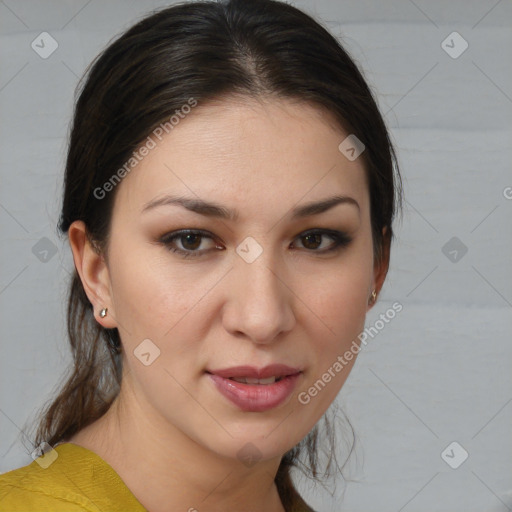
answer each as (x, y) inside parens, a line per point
(189, 239)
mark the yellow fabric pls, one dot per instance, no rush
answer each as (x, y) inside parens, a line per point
(77, 480)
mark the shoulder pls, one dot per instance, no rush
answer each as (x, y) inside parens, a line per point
(68, 478)
(34, 487)
(16, 497)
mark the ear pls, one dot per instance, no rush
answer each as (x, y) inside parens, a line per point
(381, 264)
(93, 271)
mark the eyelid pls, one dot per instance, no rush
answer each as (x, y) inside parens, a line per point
(173, 235)
(340, 238)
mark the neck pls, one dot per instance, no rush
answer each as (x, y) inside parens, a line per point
(167, 470)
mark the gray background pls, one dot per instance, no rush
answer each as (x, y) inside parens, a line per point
(437, 373)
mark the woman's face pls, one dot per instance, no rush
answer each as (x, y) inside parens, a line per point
(250, 291)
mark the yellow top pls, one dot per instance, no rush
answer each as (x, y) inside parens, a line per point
(68, 478)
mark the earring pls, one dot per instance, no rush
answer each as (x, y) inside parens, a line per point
(103, 312)
(373, 297)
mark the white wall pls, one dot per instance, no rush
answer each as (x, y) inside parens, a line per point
(440, 371)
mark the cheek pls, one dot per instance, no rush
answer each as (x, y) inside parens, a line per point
(153, 301)
(339, 297)
(341, 302)
(334, 318)
(149, 295)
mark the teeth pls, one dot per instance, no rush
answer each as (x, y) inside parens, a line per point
(249, 380)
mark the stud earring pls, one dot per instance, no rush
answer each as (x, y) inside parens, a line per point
(103, 312)
(373, 297)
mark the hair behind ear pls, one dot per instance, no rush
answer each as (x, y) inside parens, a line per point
(93, 381)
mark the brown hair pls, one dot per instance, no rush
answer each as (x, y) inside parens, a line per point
(205, 51)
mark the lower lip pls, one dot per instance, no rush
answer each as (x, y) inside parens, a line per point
(256, 397)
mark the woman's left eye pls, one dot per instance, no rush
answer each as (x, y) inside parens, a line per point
(191, 240)
(314, 238)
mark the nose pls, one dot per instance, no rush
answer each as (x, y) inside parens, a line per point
(259, 302)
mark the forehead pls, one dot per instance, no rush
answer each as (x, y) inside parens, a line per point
(246, 152)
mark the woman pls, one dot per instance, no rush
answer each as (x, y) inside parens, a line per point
(229, 197)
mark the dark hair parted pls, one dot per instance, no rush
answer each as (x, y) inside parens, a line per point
(205, 51)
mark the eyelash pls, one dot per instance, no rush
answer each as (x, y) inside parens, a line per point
(340, 239)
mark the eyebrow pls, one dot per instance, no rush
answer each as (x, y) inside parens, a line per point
(211, 209)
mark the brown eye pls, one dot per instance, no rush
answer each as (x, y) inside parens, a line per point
(190, 241)
(313, 240)
(187, 242)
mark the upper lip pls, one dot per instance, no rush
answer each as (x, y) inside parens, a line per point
(272, 370)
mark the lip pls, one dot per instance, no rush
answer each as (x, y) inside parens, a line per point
(272, 370)
(256, 397)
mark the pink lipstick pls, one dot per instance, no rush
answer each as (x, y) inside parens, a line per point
(256, 390)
